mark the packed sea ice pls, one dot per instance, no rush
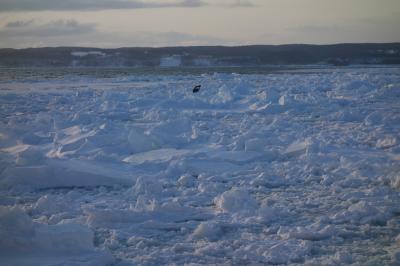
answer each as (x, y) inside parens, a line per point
(280, 168)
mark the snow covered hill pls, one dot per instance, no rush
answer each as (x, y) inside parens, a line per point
(204, 56)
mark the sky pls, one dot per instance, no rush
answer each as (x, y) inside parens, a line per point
(158, 23)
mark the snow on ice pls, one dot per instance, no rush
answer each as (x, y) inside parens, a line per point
(280, 168)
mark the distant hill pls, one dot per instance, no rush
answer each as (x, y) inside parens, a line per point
(254, 55)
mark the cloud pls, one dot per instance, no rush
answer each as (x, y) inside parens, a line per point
(19, 23)
(54, 28)
(94, 5)
(390, 19)
(238, 3)
(82, 5)
(310, 29)
(170, 39)
(72, 33)
(140, 39)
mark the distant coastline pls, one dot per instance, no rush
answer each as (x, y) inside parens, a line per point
(205, 56)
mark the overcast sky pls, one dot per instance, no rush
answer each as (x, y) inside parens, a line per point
(125, 23)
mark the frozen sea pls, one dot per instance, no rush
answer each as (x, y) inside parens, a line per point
(291, 166)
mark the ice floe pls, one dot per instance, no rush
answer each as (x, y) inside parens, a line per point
(283, 169)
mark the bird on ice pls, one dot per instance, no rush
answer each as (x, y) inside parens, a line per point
(196, 88)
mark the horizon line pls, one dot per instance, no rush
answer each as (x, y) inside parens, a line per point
(196, 46)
